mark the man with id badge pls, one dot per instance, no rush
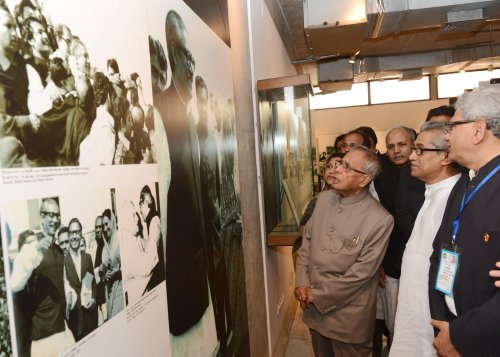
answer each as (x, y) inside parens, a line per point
(464, 302)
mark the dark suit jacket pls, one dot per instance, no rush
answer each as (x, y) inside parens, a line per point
(386, 184)
(476, 329)
(409, 199)
(81, 321)
(187, 298)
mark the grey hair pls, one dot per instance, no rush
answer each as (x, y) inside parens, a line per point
(372, 163)
(410, 132)
(483, 102)
(439, 141)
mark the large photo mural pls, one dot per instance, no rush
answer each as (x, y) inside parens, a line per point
(119, 196)
(83, 251)
(193, 96)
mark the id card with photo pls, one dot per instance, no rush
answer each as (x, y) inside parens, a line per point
(448, 266)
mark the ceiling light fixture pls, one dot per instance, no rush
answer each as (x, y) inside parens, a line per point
(353, 57)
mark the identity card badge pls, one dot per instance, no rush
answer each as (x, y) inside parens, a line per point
(447, 271)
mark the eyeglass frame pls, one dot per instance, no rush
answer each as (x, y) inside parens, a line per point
(349, 145)
(343, 163)
(50, 214)
(419, 150)
(448, 126)
(75, 233)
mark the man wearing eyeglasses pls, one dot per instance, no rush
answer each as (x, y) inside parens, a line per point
(464, 302)
(80, 274)
(413, 335)
(354, 138)
(187, 303)
(46, 295)
(337, 265)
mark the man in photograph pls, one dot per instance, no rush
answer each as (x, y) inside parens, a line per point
(464, 302)
(95, 247)
(80, 274)
(63, 239)
(46, 299)
(211, 199)
(187, 301)
(337, 265)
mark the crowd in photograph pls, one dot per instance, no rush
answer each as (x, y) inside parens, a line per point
(56, 107)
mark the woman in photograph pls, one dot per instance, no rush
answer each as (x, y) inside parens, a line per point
(139, 253)
(151, 217)
(111, 264)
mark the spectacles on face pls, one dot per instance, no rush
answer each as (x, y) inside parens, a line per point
(345, 165)
(448, 126)
(51, 214)
(188, 56)
(349, 145)
(76, 233)
(420, 150)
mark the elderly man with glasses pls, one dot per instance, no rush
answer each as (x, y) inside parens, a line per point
(430, 162)
(464, 302)
(46, 295)
(337, 265)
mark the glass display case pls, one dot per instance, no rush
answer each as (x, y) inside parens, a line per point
(287, 165)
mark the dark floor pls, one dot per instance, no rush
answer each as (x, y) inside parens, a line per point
(299, 344)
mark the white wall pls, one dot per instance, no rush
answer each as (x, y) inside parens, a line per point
(329, 123)
(271, 60)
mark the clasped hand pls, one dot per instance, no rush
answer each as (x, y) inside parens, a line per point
(303, 294)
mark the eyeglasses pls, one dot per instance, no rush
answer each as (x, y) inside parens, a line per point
(449, 125)
(77, 232)
(349, 145)
(345, 165)
(188, 56)
(419, 150)
(51, 214)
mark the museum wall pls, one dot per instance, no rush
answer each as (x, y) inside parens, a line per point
(271, 60)
(140, 131)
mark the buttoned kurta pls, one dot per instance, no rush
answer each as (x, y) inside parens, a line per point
(344, 244)
(413, 335)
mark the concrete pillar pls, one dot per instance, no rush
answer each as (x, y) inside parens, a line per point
(244, 87)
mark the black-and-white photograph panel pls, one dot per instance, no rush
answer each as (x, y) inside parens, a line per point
(65, 272)
(74, 83)
(141, 242)
(191, 73)
(5, 340)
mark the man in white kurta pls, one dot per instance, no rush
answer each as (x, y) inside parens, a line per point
(430, 163)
